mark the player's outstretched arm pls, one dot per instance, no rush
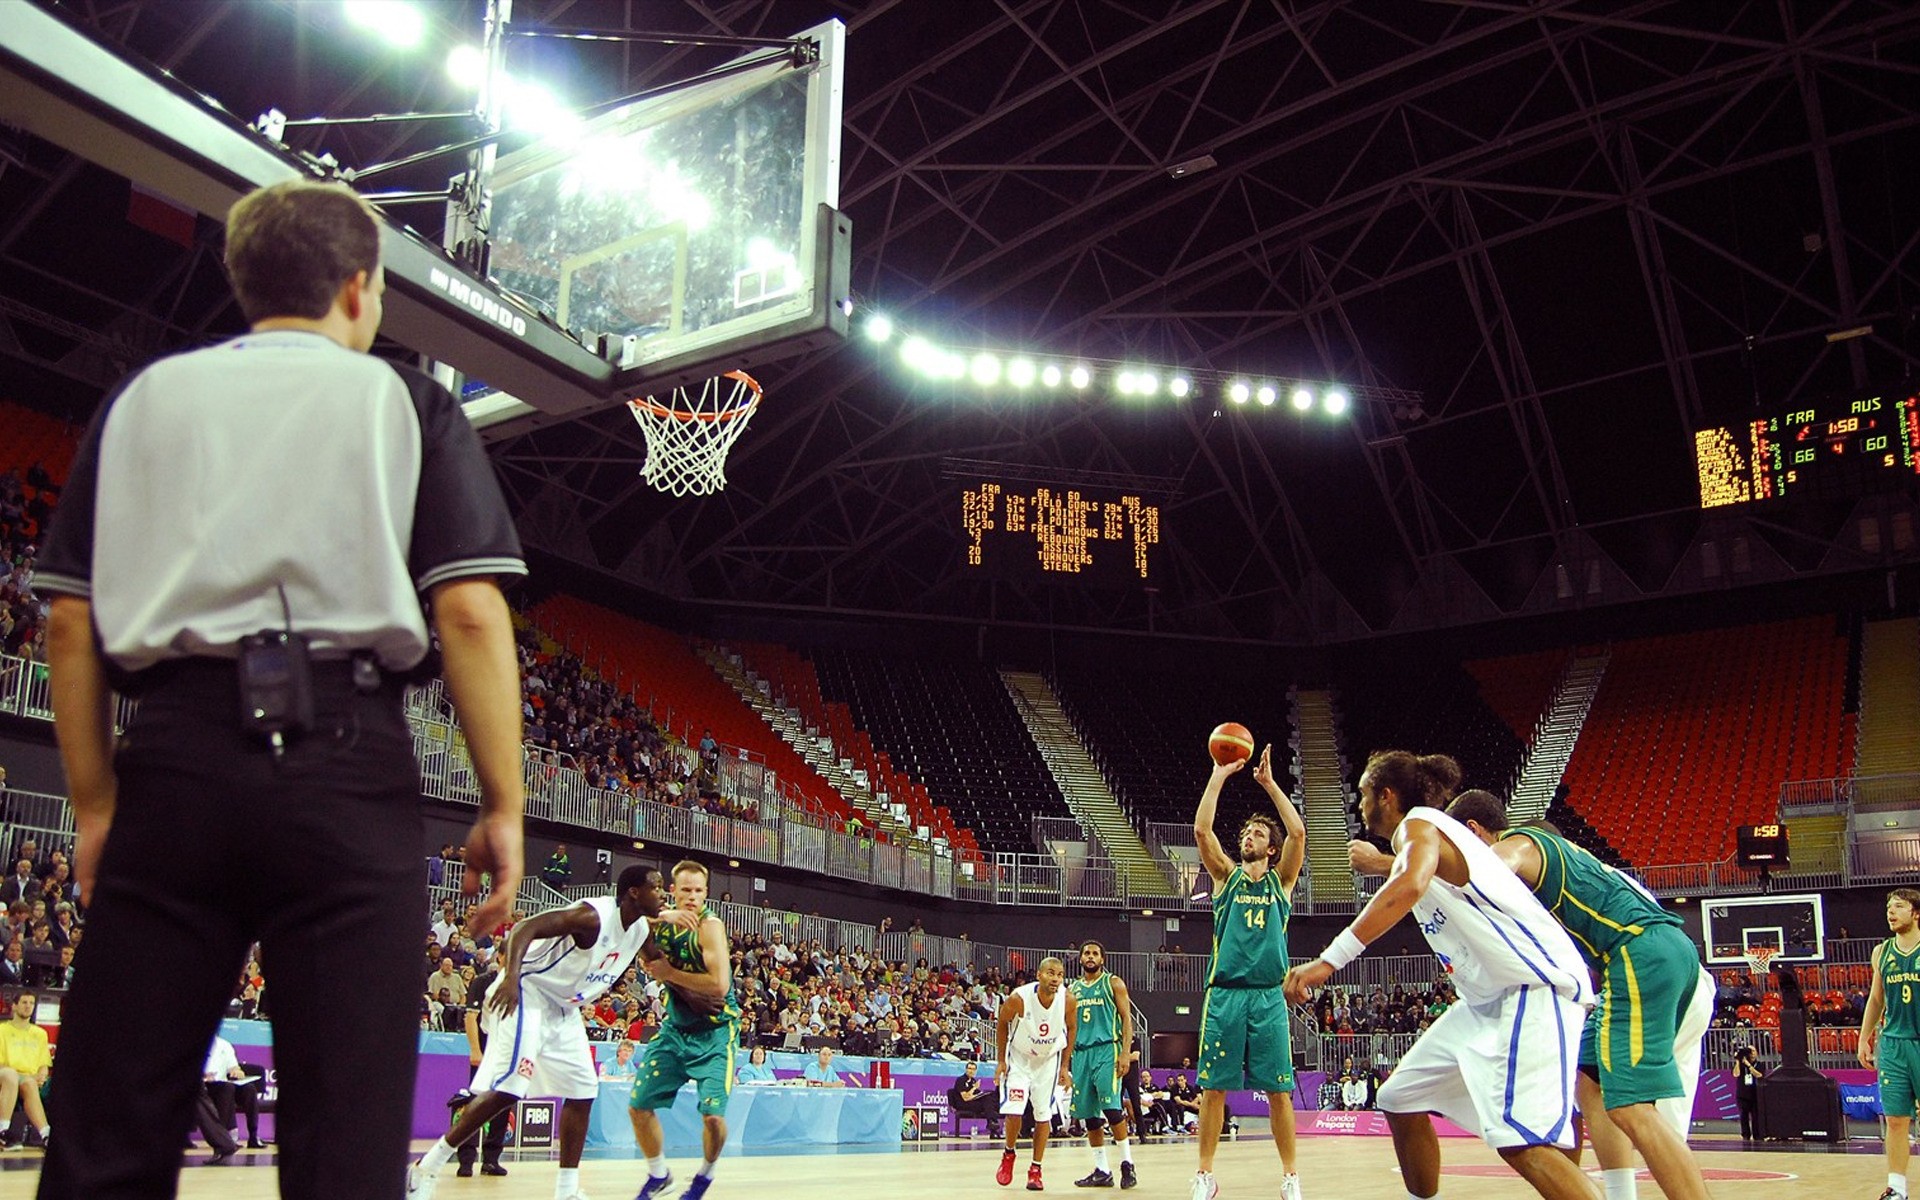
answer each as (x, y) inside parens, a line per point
(1413, 868)
(1212, 856)
(1876, 1009)
(1293, 854)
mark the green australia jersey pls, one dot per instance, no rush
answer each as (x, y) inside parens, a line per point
(1900, 983)
(1249, 932)
(1602, 908)
(1098, 1024)
(682, 948)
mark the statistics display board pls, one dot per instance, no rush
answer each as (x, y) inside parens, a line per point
(1829, 449)
(1066, 534)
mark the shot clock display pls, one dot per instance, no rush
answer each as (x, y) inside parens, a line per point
(1829, 449)
(1015, 531)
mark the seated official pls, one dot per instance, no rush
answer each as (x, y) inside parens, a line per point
(620, 1067)
(820, 1072)
(233, 1087)
(972, 1096)
(756, 1069)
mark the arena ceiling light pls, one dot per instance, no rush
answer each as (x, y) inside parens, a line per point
(1021, 372)
(395, 22)
(1050, 375)
(1180, 386)
(1080, 377)
(1302, 399)
(1266, 395)
(1334, 401)
(1240, 392)
(879, 327)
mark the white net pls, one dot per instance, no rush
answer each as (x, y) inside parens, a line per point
(1759, 958)
(689, 432)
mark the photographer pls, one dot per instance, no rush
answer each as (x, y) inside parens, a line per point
(1746, 1078)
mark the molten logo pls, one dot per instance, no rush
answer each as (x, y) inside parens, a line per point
(525, 1069)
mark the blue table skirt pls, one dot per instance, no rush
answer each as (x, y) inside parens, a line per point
(761, 1117)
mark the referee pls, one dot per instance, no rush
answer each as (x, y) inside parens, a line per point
(251, 540)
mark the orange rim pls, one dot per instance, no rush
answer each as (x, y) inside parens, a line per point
(652, 407)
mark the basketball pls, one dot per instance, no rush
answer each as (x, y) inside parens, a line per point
(1230, 742)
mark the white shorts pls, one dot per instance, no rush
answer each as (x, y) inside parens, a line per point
(540, 1050)
(1505, 1069)
(1036, 1082)
(1678, 1110)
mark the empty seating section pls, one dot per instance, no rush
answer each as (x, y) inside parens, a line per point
(796, 684)
(1148, 732)
(31, 439)
(1692, 735)
(685, 696)
(1428, 708)
(1517, 687)
(949, 725)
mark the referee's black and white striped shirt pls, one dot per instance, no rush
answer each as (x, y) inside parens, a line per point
(211, 479)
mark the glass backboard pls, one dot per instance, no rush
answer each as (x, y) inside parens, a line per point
(682, 221)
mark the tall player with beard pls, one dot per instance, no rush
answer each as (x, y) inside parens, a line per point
(1244, 1039)
(1890, 1030)
(1102, 1035)
(1503, 1059)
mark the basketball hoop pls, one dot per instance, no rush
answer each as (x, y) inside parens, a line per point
(689, 433)
(1759, 958)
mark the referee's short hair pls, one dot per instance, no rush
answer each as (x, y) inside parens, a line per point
(290, 247)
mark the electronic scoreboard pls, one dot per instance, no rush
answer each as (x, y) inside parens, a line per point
(1077, 534)
(1829, 449)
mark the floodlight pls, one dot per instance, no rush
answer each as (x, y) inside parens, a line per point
(918, 353)
(879, 327)
(1267, 395)
(985, 370)
(1239, 392)
(1335, 402)
(1302, 399)
(1180, 386)
(1080, 377)
(1020, 372)
(467, 66)
(953, 366)
(398, 24)
(1050, 375)
(1123, 383)
(531, 108)
(1146, 383)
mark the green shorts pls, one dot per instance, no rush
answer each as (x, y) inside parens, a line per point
(1899, 1061)
(1630, 1037)
(676, 1056)
(1244, 1041)
(1096, 1091)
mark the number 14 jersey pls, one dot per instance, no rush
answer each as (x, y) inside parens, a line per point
(1249, 932)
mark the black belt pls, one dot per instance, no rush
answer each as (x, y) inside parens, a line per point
(359, 672)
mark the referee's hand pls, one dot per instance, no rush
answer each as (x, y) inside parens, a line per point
(496, 845)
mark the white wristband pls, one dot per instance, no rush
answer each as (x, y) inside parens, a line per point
(1344, 950)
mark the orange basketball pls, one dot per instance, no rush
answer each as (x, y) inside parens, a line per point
(1230, 742)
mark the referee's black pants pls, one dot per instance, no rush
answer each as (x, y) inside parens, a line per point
(214, 845)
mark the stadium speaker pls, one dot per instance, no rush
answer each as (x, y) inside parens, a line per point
(1761, 846)
(1800, 1103)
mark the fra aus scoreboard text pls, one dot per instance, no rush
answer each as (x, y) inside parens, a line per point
(1842, 448)
(1058, 533)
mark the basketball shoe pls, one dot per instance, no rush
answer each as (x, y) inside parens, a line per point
(1127, 1177)
(1099, 1178)
(1289, 1187)
(1034, 1183)
(420, 1183)
(653, 1187)
(1003, 1177)
(1204, 1188)
(697, 1188)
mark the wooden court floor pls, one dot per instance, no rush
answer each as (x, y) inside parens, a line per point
(1331, 1168)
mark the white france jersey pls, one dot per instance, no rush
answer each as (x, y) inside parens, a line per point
(1492, 936)
(1039, 1032)
(560, 971)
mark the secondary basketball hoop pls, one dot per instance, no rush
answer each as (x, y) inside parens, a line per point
(1760, 958)
(689, 432)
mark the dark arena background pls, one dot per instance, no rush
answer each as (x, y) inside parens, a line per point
(1533, 383)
